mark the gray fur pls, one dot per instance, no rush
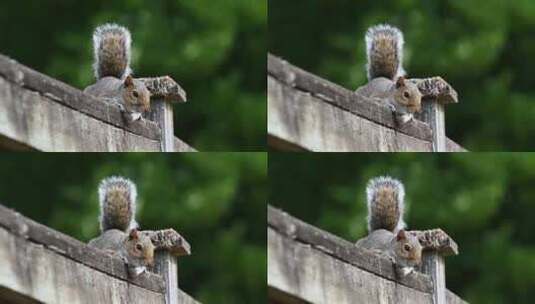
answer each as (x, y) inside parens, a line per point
(109, 220)
(99, 35)
(384, 60)
(375, 220)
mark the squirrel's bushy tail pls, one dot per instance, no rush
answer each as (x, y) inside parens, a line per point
(385, 197)
(117, 197)
(384, 49)
(111, 45)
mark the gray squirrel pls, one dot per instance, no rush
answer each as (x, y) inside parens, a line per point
(385, 200)
(111, 45)
(386, 76)
(119, 234)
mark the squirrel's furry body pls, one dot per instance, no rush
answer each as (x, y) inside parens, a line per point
(386, 81)
(111, 44)
(385, 201)
(119, 235)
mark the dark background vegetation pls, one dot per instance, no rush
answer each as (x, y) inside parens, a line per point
(216, 50)
(484, 201)
(217, 201)
(484, 48)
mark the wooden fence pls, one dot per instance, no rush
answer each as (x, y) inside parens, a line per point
(306, 112)
(38, 112)
(308, 265)
(41, 265)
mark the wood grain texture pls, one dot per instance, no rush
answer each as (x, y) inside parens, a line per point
(436, 240)
(169, 240)
(41, 113)
(340, 97)
(166, 266)
(298, 117)
(341, 249)
(304, 272)
(166, 88)
(39, 264)
(162, 114)
(181, 146)
(452, 298)
(309, 265)
(40, 273)
(37, 121)
(309, 122)
(433, 264)
(63, 94)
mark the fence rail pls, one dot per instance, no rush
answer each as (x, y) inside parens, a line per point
(306, 112)
(41, 265)
(38, 112)
(308, 265)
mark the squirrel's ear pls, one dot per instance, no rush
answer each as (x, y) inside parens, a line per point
(400, 82)
(401, 235)
(129, 81)
(133, 234)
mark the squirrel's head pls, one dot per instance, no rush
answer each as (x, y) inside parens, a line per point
(140, 249)
(407, 249)
(408, 95)
(136, 96)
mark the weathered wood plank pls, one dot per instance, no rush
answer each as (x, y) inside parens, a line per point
(433, 114)
(184, 298)
(342, 250)
(452, 146)
(169, 240)
(75, 250)
(162, 114)
(433, 264)
(166, 266)
(38, 272)
(61, 93)
(452, 298)
(166, 88)
(37, 121)
(436, 240)
(181, 146)
(305, 272)
(436, 89)
(338, 96)
(306, 121)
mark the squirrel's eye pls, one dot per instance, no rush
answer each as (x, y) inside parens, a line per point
(135, 94)
(139, 247)
(407, 247)
(405, 94)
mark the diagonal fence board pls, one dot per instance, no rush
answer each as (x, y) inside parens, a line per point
(306, 273)
(36, 272)
(304, 120)
(338, 96)
(309, 265)
(67, 270)
(83, 123)
(37, 121)
(351, 122)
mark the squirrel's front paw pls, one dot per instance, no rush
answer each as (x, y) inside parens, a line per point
(404, 118)
(135, 271)
(135, 116)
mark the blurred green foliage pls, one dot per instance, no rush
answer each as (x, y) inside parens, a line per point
(484, 201)
(483, 48)
(216, 50)
(217, 201)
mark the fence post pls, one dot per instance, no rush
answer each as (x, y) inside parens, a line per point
(433, 114)
(433, 265)
(162, 114)
(166, 266)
